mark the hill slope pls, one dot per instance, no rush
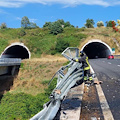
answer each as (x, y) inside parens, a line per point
(40, 41)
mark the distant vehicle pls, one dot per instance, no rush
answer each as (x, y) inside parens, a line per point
(110, 57)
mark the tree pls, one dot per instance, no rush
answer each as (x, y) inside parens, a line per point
(89, 23)
(67, 24)
(61, 21)
(25, 23)
(33, 25)
(47, 24)
(56, 28)
(3, 26)
(100, 23)
(110, 23)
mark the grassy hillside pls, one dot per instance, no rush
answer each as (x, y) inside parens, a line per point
(29, 90)
(40, 41)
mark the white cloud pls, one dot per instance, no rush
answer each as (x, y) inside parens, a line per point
(18, 18)
(67, 3)
(12, 3)
(32, 20)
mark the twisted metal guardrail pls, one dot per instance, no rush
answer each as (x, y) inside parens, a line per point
(67, 76)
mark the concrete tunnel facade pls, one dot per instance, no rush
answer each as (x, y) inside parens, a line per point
(95, 48)
(16, 50)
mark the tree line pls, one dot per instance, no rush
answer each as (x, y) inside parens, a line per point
(57, 26)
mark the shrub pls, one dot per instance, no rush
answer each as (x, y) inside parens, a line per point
(3, 44)
(3, 26)
(47, 24)
(51, 87)
(61, 45)
(100, 23)
(17, 106)
(21, 32)
(56, 28)
(89, 23)
(23, 106)
(109, 23)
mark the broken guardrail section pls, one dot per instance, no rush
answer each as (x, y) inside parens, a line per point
(67, 77)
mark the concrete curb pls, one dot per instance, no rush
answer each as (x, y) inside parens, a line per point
(71, 106)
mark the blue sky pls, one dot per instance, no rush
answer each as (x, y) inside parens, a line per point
(74, 11)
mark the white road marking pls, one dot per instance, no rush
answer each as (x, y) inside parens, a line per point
(109, 63)
(118, 65)
(103, 102)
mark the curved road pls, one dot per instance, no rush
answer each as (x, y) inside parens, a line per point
(108, 71)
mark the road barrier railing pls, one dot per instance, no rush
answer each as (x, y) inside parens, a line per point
(117, 56)
(67, 77)
(10, 61)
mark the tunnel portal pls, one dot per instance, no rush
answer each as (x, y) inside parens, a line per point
(16, 50)
(96, 49)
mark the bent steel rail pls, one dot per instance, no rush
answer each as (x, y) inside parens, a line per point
(74, 73)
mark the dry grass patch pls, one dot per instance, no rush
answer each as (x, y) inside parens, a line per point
(33, 72)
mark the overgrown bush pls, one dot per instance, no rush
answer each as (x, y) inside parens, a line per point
(100, 23)
(56, 28)
(3, 26)
(23, 106)
(21, 32)
(3, 44)
(89, 23)
(109, 23)
(61, 45)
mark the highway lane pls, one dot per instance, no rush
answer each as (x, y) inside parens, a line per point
(108, 71)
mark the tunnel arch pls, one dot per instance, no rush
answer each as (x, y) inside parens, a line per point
(16, 50)
(96, 48)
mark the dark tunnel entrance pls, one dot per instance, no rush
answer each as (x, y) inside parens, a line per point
(16, 51)
(97, 50)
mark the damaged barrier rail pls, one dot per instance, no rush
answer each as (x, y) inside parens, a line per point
(67, 77)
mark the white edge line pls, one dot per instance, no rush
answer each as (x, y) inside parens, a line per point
(103, 102)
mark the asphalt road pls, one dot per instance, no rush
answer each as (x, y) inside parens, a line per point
(108, 71)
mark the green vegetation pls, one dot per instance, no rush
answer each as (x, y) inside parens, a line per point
(25, 23)
(89, 23)
(23, 106)
(21, 103)
(60, 22)
(40, 41)
(100, 24)
(3, 26)
(56, 28)
(3, 44)
(109, 23)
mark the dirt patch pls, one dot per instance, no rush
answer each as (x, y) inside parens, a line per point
(6, 82)
(90, 105)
